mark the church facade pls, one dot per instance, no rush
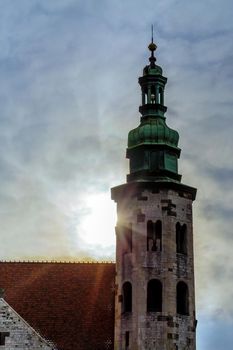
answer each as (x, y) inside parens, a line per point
(146, 300)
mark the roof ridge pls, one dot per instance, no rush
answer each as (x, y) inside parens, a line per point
(57, 262)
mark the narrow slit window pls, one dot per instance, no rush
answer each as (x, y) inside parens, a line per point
(161, 98)
(127, 339)
(154, 236)
(153, 96)
(127, 297)
(158, 235)
(181, 238)
(146, 96)
(150, 234)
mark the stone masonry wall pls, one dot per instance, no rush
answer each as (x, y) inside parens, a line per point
(166, 330)
(15, 333)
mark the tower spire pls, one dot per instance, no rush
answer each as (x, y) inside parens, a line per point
(155, 306)
(152, 47)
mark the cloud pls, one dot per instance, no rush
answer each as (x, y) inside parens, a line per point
(69, 96)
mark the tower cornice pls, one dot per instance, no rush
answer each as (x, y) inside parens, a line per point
(134, 188)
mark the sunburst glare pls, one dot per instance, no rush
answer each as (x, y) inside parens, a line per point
(97, 227)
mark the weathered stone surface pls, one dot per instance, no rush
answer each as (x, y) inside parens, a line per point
(166, 330)
(16, 333)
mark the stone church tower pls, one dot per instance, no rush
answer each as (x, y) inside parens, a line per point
(154, 303)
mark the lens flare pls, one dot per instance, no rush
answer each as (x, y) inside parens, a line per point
(97, 227)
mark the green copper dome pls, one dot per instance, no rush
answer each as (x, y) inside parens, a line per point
(155, 70)
(152, 132)
(153, 147)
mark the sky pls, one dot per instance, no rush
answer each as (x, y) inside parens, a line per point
(69, 95)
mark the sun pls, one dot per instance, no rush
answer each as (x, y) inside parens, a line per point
(98, 225)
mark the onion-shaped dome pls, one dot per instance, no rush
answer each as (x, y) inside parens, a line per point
(153, 131)
(152, 70)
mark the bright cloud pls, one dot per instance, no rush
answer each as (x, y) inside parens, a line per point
(69, 96)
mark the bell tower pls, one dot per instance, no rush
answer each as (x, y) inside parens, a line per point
(154, 303)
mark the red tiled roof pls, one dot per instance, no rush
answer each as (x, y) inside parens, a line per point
(71, 304)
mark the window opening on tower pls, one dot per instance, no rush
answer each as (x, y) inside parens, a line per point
(127, 297)
(181, 238)
(146, 97)
(182, 298)
(126, 339)
(153, 95)
(154, 296)
(154, 235)
(161, 96)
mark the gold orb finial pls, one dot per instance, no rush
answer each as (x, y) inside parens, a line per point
(152, 47)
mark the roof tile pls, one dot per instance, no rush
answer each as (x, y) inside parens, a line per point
(71, 304)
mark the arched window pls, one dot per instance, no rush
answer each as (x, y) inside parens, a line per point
(127, 297)
(154, 296)
(154, 236)
(182, 298)
(181, 239)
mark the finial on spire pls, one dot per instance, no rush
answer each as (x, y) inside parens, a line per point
(152, 47)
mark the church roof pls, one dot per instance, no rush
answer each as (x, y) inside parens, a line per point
(70, 304)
